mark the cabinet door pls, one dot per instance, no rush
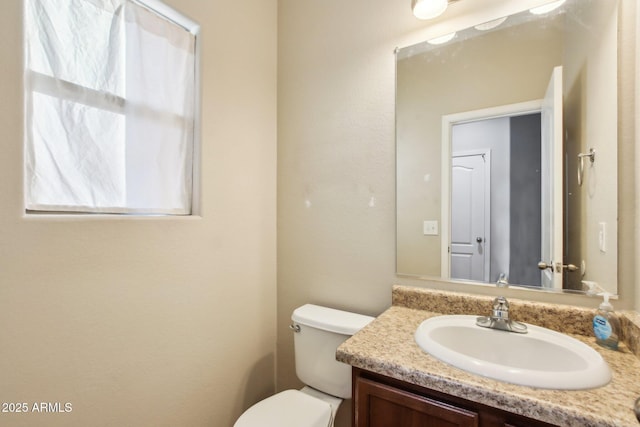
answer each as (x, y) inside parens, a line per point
(380, 405)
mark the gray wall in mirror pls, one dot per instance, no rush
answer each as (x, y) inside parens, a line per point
(511, 64)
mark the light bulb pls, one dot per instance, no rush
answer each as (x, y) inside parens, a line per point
(428, 9)
(541, 10)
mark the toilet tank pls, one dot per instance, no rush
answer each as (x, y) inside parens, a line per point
(321, 331)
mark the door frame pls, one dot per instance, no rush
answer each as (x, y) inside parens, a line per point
(448, 121)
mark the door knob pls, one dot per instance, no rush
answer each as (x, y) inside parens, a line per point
(570, 267)
(558, 266)
(479, 239)
(543, 266)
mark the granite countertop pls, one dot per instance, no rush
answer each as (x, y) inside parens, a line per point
(386, 346)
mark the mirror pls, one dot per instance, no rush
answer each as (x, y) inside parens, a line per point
(506, 153)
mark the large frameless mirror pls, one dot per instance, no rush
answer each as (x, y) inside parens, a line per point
(507, 151)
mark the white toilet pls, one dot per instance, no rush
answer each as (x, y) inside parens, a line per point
(318, 331)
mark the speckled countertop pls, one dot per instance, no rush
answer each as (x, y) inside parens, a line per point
(386, 346)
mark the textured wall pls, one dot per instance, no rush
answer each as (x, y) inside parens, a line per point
(336, 198)
(151, 322)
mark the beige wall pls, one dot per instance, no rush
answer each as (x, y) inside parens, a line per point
(336, 152)
(151, 322)
(336, 197)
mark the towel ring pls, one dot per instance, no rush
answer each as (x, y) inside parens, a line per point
(592, 157)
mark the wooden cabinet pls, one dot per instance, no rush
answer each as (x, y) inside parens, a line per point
(380, 401)
(380, 405)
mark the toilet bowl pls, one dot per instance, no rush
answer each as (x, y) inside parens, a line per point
(318, 333)
(292, 408)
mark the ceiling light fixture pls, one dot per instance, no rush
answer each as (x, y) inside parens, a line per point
(428, 9)
(546, 8)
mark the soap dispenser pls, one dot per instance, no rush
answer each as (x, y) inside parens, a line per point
(606, 325)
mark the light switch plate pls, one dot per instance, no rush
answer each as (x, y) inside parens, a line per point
(430, 228)
(602, 236)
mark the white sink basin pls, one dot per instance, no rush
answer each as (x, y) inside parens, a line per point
(541, 358)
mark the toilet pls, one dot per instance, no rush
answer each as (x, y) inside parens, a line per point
(318, 331)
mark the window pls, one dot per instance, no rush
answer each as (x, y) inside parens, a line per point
(111, 101)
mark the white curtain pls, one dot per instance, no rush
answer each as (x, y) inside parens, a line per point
(110, 99)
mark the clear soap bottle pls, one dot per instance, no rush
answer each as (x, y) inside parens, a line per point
(606, 325)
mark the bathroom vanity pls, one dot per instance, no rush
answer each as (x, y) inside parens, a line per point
(397, 383)
(385, 401)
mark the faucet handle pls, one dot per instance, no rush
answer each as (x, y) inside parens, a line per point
(501, 308)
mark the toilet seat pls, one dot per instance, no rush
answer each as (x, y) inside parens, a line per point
(289, 408)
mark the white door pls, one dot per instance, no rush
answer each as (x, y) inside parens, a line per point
(552, 209)
(470, 204)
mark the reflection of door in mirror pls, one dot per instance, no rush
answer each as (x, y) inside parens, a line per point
(470, 215)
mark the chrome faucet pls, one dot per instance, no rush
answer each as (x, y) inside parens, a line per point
(499, 318)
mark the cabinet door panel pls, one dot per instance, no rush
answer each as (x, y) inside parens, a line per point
(380, 405)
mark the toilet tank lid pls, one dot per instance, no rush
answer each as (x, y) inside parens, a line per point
(330, 319)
